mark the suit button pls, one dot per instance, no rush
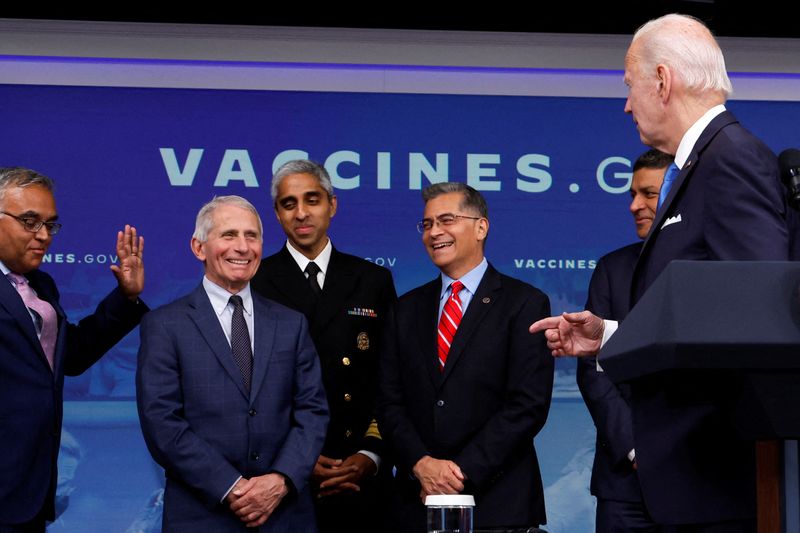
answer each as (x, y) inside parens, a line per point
(251, 412)
(347, 397)
(346, 361)
(254, 456)
(440, 403)
(348, 433)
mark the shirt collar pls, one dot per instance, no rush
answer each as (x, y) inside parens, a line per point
(322, 260)
(692, 134)
(4, 269)
(471, 279)
(219, 297)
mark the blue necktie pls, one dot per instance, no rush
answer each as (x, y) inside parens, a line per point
(669, 177)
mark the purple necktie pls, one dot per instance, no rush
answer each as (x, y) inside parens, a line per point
(49, 322)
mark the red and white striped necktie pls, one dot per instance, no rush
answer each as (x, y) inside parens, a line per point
(448, 323)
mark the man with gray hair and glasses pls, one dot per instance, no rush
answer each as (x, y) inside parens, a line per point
(38, 346)
(464, 388)
(722, 199)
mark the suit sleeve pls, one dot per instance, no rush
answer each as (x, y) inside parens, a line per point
(527, 398)
(745, 211)
(397, 428)
(610, 411)
(93, 336)
(309, 419)
(168, 435)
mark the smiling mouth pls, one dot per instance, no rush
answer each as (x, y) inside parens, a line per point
(238, 261)
(440, 245)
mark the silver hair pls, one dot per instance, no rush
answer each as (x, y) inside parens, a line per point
(205, 217)
(686, 45)
(301, 166)
(11, 177)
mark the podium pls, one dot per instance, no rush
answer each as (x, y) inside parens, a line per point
(741, 318)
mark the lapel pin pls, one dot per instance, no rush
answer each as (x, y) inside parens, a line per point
(486, 300)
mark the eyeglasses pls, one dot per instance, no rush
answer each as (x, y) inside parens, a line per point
(445, 219)
(34, 224)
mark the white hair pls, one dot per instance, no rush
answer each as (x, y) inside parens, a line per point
(686, 45)
(205, 217)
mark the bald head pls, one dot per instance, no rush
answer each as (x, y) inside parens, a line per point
(686, 46)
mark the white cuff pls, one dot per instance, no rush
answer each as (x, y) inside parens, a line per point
(609, 327)
(375, 458)
(230, 489)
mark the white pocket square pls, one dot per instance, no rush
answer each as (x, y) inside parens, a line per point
(671, 220)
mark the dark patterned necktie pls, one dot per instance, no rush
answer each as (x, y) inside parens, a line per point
(240, 342)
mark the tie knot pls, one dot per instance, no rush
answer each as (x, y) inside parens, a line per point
(17, 279)
(236, 301)
(312, 269)
(456, 287)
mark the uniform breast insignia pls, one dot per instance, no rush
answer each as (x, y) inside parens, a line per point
(362, 341)
(362, 311)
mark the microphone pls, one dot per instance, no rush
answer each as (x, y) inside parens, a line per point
(789, 164)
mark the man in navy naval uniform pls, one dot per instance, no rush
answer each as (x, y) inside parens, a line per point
(345, 299)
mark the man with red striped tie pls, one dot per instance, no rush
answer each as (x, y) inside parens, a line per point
(462, 391)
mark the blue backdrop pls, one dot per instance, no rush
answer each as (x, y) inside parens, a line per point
(555, 172)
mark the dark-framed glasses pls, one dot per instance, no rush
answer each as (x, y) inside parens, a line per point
(33, 224)
(445, 219)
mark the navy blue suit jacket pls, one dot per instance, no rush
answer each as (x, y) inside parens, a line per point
(31, 393)
(204, 429)
(613, 476)
(727, 203)
(482, 412)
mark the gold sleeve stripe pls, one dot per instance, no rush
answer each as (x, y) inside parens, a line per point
(372, 430)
